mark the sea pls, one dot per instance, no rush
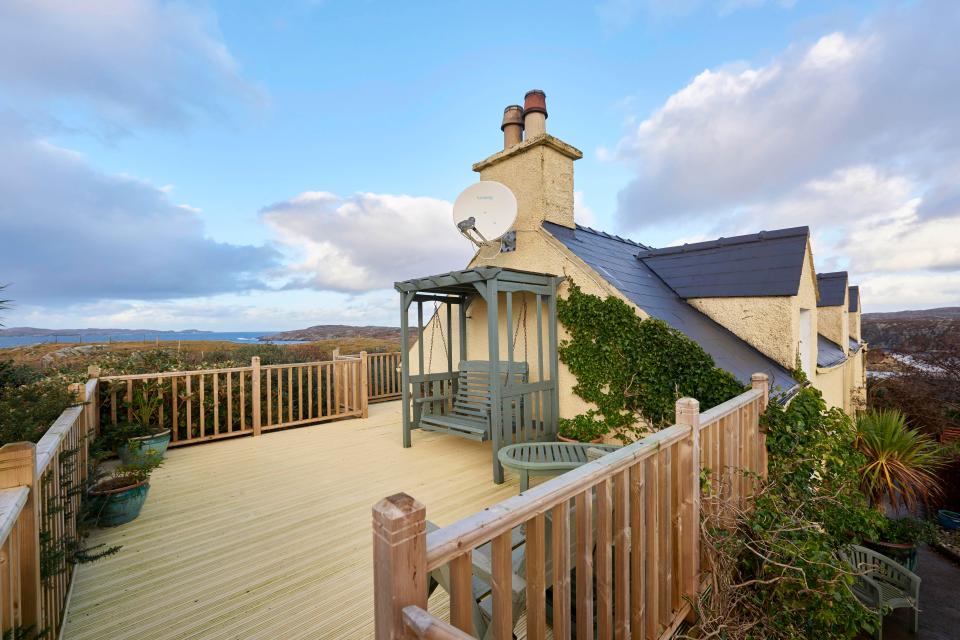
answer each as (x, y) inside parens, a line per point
(248, 337)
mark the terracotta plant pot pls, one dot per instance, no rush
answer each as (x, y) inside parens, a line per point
(116, 506)
(137, 449)
(566, 439)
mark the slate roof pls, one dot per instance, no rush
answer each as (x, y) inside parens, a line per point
(854, 299)
(768, 263)
(854, 345)
(832, 287)
(615, 259)
(829, 353)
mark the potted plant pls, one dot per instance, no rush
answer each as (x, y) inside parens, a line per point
(140, 436)
(119, 498)
(901, 537)
(583, 428)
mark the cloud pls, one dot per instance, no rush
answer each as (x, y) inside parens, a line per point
(855, 135)
(71, 233)
(131, 62)
(367, 240)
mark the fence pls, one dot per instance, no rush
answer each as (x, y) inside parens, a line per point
(40, 492)
(213, 404)
(627, 525)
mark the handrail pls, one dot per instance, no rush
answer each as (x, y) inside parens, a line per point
(470, 532)
(724, 409)
(426, 627)
(12, 501)
(173, 374)
(47, 445)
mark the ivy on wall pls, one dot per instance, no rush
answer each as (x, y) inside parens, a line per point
(632, 369)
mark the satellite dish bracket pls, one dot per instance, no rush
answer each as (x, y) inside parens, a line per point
(508, 242)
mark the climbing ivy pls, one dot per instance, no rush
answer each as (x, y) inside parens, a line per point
(632, 369)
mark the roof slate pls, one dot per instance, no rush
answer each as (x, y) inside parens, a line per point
(829, 353)
(615, 260)
(768, 263)
(832, 287)
(854, 299)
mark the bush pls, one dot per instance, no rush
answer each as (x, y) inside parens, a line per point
(28, 410)
(776, 572)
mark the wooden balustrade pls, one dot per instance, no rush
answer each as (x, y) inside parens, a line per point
(213, 404)
(627, 523)
(40, 493)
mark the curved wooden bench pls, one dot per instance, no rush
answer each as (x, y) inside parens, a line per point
(547, 458)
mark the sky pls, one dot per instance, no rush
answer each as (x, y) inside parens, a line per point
(269, 166)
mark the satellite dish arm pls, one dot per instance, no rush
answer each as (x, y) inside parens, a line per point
(468, 229)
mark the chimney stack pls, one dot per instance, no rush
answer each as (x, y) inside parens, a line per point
(512, 125)
(535, 113)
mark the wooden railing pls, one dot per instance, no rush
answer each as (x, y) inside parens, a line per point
(627, 523)
(213, 404)
(40, 492)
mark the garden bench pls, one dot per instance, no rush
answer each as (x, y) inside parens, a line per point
(882, 583)
(469, 416)
(547, 458)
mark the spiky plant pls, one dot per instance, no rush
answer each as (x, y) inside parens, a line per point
(902, 463)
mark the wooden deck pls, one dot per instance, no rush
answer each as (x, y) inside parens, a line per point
(270, 537)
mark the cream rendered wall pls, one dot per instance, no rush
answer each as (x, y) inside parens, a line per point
(833, 323)
(806, 298)
(831, 383)
(760, 321)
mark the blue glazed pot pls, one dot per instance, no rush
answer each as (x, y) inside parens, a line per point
(948, 519)
(119, 506)
(137, 449)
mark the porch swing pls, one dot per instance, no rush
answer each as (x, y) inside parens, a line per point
(485, 400)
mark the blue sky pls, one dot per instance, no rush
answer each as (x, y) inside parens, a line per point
(244, 165)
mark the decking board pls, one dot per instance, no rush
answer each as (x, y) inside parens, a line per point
(270, 537)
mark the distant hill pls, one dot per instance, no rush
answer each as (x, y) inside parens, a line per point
(909, 330)
(340, 331)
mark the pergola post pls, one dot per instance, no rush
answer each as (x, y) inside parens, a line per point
(405, 299)
(493, 349)
(552, 354)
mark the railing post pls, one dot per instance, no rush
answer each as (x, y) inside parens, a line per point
(255, 393)
(762, 382)
(688, 414)
(93, 371)
(18, 468)
(399, 563)
(364, 385)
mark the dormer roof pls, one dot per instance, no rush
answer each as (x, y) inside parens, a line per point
(832, 287)
(854, 299)
(768, 263)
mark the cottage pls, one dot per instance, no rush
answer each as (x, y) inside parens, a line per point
(754, 302)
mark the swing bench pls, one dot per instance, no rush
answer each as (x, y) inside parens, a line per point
(468, 416)
(493, 399)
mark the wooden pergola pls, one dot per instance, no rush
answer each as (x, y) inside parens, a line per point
(514, 408)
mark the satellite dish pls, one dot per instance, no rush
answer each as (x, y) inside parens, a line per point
(485, 211)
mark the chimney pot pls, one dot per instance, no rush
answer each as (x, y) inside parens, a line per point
(512, 125)
(535, 112)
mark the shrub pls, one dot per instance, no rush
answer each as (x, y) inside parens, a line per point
(28, 410)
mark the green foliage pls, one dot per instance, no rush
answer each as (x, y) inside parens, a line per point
(901, 463)
(633, 369)
(138, 469)
(909, 531)
(28, 410)
(584, 428)
(784, 576)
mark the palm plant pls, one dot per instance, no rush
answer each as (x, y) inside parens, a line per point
(901, 463)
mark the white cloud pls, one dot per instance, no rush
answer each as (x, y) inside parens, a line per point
(583, 214)
(71, 232)
(855, 135)
(367, 240)
(130, 62)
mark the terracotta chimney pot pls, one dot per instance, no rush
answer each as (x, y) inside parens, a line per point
(535, 113)
(512, 125)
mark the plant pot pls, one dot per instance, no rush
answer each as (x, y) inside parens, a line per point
(903, 552)
(137, 449)
(948, 519)
(119, 506)
(566, 439)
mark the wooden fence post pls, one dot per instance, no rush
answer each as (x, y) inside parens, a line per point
(18, 468)
(399, 563)
(93, 429)
(255, 393)
(364, 385)
(688, 414)
(762, 382)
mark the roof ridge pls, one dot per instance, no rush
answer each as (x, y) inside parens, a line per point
(726, 242)
(599, 232)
